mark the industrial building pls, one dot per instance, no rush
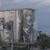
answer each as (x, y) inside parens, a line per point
(19, 25)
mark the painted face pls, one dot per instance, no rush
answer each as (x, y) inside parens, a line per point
(28, 17)
(27, 20)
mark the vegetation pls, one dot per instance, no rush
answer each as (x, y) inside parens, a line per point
(21, 48)
(43, 41)
(1, 42)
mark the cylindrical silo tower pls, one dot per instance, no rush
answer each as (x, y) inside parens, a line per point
(25, 27)
(28, 25)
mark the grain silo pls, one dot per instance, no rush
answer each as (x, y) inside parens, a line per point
(23, 24)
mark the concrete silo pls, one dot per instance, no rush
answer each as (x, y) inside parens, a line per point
(25, 31)
(23, 24)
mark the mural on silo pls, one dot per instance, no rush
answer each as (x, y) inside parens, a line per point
(23, 23)
(28, 20)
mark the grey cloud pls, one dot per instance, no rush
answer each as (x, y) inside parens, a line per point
(43, 11)
(0, 2)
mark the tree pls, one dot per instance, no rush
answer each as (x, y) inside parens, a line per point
(43, 41)
(1, 42)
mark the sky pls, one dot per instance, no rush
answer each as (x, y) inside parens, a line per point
(42, 8)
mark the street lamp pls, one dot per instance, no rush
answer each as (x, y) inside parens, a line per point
(11, 35)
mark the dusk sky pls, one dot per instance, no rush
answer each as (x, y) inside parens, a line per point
(42, 8)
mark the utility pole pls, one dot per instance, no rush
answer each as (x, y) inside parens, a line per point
(12, 35)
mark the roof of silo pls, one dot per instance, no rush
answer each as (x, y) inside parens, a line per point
(16, 9)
